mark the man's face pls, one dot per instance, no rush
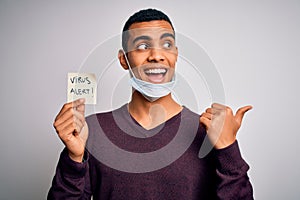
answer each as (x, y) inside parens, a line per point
(152, 52)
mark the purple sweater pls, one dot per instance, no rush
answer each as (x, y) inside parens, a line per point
(222, 174)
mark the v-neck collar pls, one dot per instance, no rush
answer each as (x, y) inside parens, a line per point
(135, 129)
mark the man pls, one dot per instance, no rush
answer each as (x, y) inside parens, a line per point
(150, 55)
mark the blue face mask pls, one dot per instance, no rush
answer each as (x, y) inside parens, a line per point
(150, 91)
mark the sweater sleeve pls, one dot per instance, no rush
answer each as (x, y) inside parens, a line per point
(71, 180)
(232, 179)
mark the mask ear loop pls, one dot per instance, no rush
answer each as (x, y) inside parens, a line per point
(130, 69)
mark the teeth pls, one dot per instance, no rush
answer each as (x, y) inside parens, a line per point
(155, 71)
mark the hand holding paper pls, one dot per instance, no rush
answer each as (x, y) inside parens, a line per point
(72, 128)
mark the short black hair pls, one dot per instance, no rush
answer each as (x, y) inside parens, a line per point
(145, 15)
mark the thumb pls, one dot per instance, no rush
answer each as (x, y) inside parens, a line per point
(241, 112)
(84, 132)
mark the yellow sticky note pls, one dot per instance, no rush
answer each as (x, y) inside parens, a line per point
(82, 85)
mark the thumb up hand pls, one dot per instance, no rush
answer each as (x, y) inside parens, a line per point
(222, 125)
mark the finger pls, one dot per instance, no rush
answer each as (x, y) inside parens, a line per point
(77, 124)
(63, 109)
(217, 106)
(65, 129)
(70, 115)
(205, 121)
(209, 110)
(79, 116)
(70, 126)
(81, 108)
(69, 105)
(207, 115)
(67, 114)
(213, 111)
(62, 118)
(68, 133)
(241, 112)
(78, 102)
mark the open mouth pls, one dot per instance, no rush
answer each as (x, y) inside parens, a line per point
(156, 75)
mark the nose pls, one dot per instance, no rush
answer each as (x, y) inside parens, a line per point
(156, 55)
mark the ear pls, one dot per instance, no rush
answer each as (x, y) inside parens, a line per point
(176, 52)
(122, 59)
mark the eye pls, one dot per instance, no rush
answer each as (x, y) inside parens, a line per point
(142, 46)
(167, 45)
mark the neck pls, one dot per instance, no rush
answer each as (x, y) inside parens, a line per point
(151, 114)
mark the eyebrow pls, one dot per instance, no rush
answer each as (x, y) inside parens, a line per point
(167, 35)
(142, 37)
(145, 37)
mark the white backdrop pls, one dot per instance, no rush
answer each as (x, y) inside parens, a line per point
(255, 46)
